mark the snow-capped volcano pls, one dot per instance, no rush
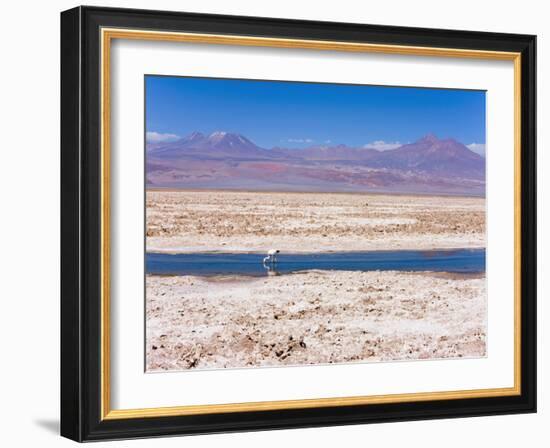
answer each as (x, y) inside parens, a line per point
(223, 139)
(217, 144)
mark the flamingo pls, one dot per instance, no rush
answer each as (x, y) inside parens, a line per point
(271, 256)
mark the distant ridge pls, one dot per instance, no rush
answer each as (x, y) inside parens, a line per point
(224, 160)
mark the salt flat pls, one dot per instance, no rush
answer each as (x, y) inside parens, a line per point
(313, 317)
(201, 221)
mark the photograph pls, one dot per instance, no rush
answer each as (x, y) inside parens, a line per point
(301, 223)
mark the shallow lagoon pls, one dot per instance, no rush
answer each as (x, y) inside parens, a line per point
(251, 264)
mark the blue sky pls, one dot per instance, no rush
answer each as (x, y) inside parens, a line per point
(292, 114)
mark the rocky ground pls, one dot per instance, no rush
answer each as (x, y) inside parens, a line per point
(198, 221)
(312, 317)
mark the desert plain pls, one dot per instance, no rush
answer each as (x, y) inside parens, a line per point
(210, 221)
(315, 316)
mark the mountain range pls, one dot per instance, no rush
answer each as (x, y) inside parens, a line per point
(224, 160)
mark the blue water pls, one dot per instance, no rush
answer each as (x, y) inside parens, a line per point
(209, 264)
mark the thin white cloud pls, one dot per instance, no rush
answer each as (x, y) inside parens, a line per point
(300, 140)
(156, 137)
(478, 148)
(381, 145)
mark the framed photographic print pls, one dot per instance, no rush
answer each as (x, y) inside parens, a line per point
(276, 224)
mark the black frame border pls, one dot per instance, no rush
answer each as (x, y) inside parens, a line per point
(81, 223)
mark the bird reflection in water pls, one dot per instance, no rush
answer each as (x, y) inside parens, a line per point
(270, 262)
